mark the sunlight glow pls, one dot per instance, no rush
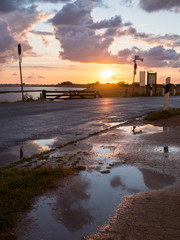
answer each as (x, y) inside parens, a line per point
(107, 74)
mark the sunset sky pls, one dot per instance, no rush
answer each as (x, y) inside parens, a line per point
(85, 41)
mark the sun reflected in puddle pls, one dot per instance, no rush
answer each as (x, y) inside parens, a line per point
(46, 143)
(87, 201)
(28, 149)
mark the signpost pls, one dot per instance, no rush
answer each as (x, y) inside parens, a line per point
(20, 61)
(142, 79)
(135, 68)
(151, 80)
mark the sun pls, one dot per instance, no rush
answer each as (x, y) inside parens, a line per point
(107, 74)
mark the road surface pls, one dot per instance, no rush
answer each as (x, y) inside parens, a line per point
(71, 119)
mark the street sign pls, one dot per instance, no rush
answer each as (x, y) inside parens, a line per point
(138, 58)
(19, 49)
(152, 78)
(142, 78)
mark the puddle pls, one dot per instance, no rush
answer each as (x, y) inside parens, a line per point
(167, 149)
(146, 129)
(103, 150)
(86, 202)
(29, 148)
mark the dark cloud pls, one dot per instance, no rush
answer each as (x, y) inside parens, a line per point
(157, 5)
(28, 17)
(168, 40)
(7, 43)
(112, 23)
(7, 6)
(40, 33)
(13, 32)
(154, 57)
(71, 14)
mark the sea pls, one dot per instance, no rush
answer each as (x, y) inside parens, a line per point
(13, 96)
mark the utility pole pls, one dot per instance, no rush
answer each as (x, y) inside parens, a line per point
(135, 68)
(20, 61)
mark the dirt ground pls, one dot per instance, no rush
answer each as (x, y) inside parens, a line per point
(154, 214)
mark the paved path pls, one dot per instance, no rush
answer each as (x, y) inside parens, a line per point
(20, 122)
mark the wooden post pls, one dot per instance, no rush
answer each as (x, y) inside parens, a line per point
(126, 92)
(147, 83)
(94, 93)
(44, 94)
(151, 90)
(163, 90)
(174, 92)
(166, 97)
(155, 83)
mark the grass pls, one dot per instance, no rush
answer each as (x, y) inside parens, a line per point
(79, 168)
(162, 114)
(17, 190)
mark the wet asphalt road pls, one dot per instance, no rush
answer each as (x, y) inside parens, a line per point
(72, 119)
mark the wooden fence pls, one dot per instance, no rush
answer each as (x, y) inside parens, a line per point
(71, 94)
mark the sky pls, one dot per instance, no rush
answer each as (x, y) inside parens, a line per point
(85, 41)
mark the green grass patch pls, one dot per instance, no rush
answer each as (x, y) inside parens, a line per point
(17, 190)
(162, 114)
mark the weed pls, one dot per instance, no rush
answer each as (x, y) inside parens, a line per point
(75, 162)
(79, 168)
(162, 114)
(17, 189)
(105, 171)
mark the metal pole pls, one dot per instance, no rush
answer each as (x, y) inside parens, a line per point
(20, 60)
(21, 80)
(133, 82)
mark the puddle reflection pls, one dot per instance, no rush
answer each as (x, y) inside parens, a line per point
(146, 129)
(87, 201)
(28, 149)
(70, 205)
(167, 149)
(103, 150)
(155, 180)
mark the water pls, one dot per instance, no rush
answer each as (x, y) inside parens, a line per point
(29, 148)
(85, 202)
(12, 97)
(145, 129)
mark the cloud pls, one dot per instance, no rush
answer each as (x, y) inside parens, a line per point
(76, 32)
(80, 41)
(150, 6)
(33, 77)
(28, 17)
(7, 43)
(7, 6)
(13, 32)
(71, 14)
(39, 33)
(154, 57)
(112, 23)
